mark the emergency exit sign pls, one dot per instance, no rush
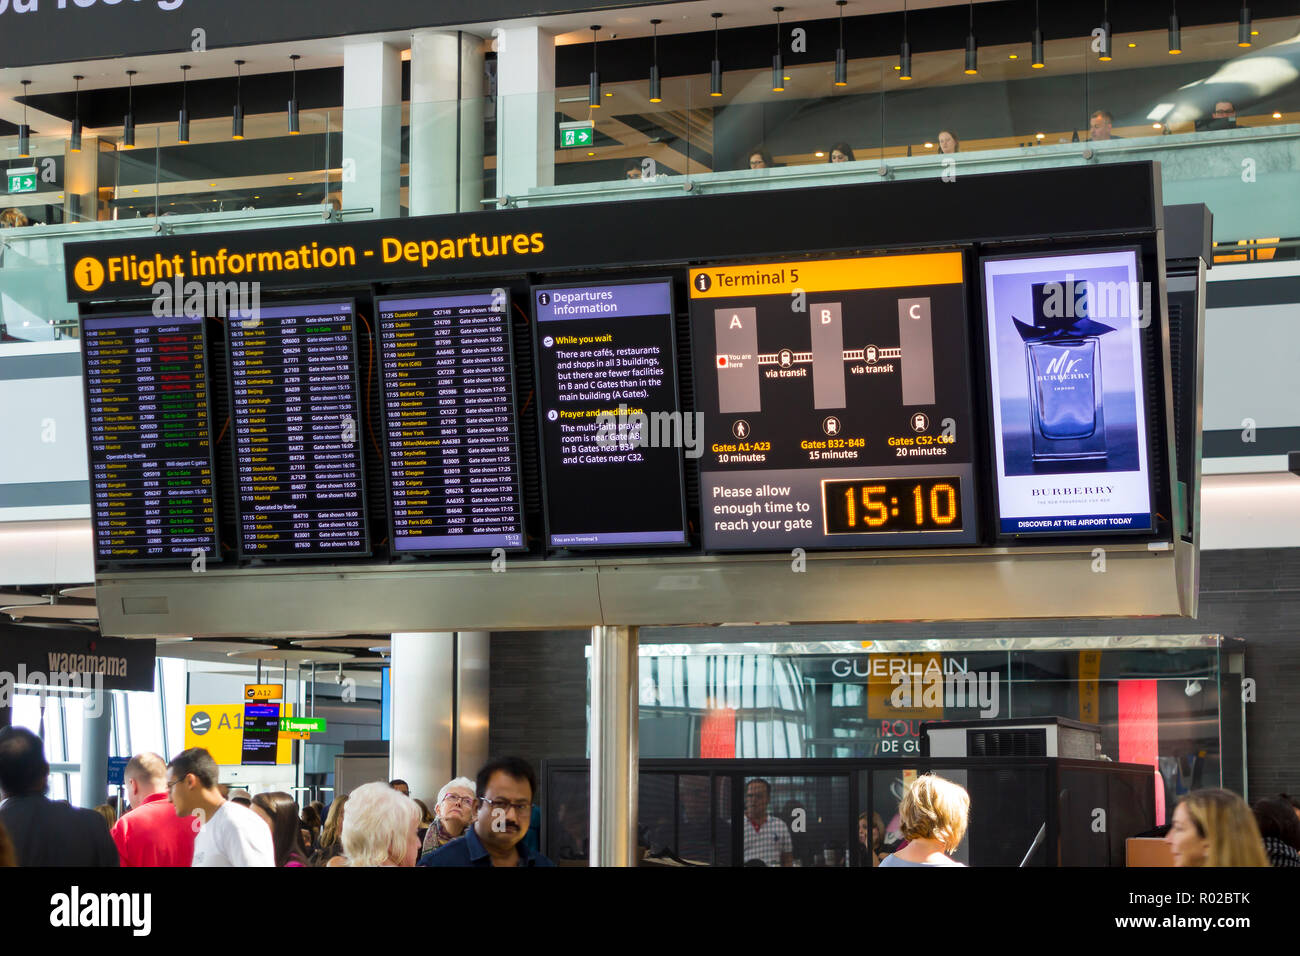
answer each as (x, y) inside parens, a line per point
(299, 725)
(21, 180)
(581, 133)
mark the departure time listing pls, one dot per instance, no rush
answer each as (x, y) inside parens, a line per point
(150, 441)
(452, 434)
(297, 428)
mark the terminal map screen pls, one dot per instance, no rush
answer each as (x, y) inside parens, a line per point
(452, 435)
(296, 419)
(837, 404)
(611, 422)
(150, 438)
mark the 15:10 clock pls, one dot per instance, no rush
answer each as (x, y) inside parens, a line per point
(869, 505)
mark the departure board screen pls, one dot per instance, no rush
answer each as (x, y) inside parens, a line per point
(612, 428)
(300, 482)
(147, 416)
(837, 403)
(261, 734)
(449, 415)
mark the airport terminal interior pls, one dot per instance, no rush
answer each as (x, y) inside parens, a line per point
(687, 434)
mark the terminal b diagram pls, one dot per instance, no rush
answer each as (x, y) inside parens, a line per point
(741, 367)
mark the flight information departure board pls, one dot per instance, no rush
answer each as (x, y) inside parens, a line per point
(452, 439)
(300, 482)
(612, 429)
(837, 403)
(147, 417)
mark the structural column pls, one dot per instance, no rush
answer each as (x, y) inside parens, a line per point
(472, 662)
(446, 131)
(525, 109)
(614, 746)
(372, 128)
(422, 680)
(96, 722)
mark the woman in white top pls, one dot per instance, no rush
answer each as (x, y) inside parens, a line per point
(934, 814)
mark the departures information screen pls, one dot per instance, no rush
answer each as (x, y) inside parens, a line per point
(261, 734)
(837, 403)
(296, 421)
(150, 438)
(612, 430)
(450, 422)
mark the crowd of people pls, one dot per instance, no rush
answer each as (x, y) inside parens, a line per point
(181, 815)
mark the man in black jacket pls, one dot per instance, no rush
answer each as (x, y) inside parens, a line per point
(45, 832)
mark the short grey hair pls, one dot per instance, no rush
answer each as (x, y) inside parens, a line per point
(464, 782)
(376, 825)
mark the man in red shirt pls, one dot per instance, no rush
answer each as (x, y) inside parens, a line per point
(151, 834)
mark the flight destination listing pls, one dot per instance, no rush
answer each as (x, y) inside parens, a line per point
(612, 432)
(150, 441)
(296, 420)
(449, 411)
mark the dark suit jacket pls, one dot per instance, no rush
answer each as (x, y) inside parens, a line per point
(53, 833)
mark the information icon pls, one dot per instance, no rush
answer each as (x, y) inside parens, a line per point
(552, 415)
(548, 341)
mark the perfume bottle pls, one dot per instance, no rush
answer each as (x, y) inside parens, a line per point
(1063, 355)
(1065, 397)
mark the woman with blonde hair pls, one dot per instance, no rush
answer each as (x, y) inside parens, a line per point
(1215, 828)
(934, 813)
(381, 827)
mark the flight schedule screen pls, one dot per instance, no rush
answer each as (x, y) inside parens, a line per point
(837, 403)
(451, 429)
(150, 438)
(261, 734)
(612, 428)
(297, 427)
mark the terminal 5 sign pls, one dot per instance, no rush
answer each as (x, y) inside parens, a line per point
(62, 31)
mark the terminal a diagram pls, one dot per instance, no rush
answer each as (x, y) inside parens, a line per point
(741, 368)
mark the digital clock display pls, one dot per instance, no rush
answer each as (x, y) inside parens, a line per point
(869, 505)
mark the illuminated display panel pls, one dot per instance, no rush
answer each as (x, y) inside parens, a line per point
(611, 423)
(834, 392)
(1070, 431)
(296, 419)
(452, 436)
(150, 441)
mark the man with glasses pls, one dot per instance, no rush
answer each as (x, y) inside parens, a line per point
(505, 789)
(227, 834)
(452, 814)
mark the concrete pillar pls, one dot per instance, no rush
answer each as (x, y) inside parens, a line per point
(473, 659)
(525, 109)
(423, 684)
(446, 127)
(614, 746)
(81, 182)
(96, 722)
(372, 128)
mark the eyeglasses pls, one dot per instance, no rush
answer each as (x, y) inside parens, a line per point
(457, 800)
(522, 807)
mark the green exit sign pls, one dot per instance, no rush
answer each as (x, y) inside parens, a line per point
(573, 135)
(301, 725)
(22, 180)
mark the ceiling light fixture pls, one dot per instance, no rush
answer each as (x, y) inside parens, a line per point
(1244, 32)
(778, 68)
(183, 122)
(841, 59)
(295, 126)
(1103, 50)
(25, 131)
(715, 68)
(128, 122)
(1175, 32)
(74, 141)
(656, 94)
(1038, 61)
(593, 90)
(972, 51)
(904, 67)
(237, 123)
